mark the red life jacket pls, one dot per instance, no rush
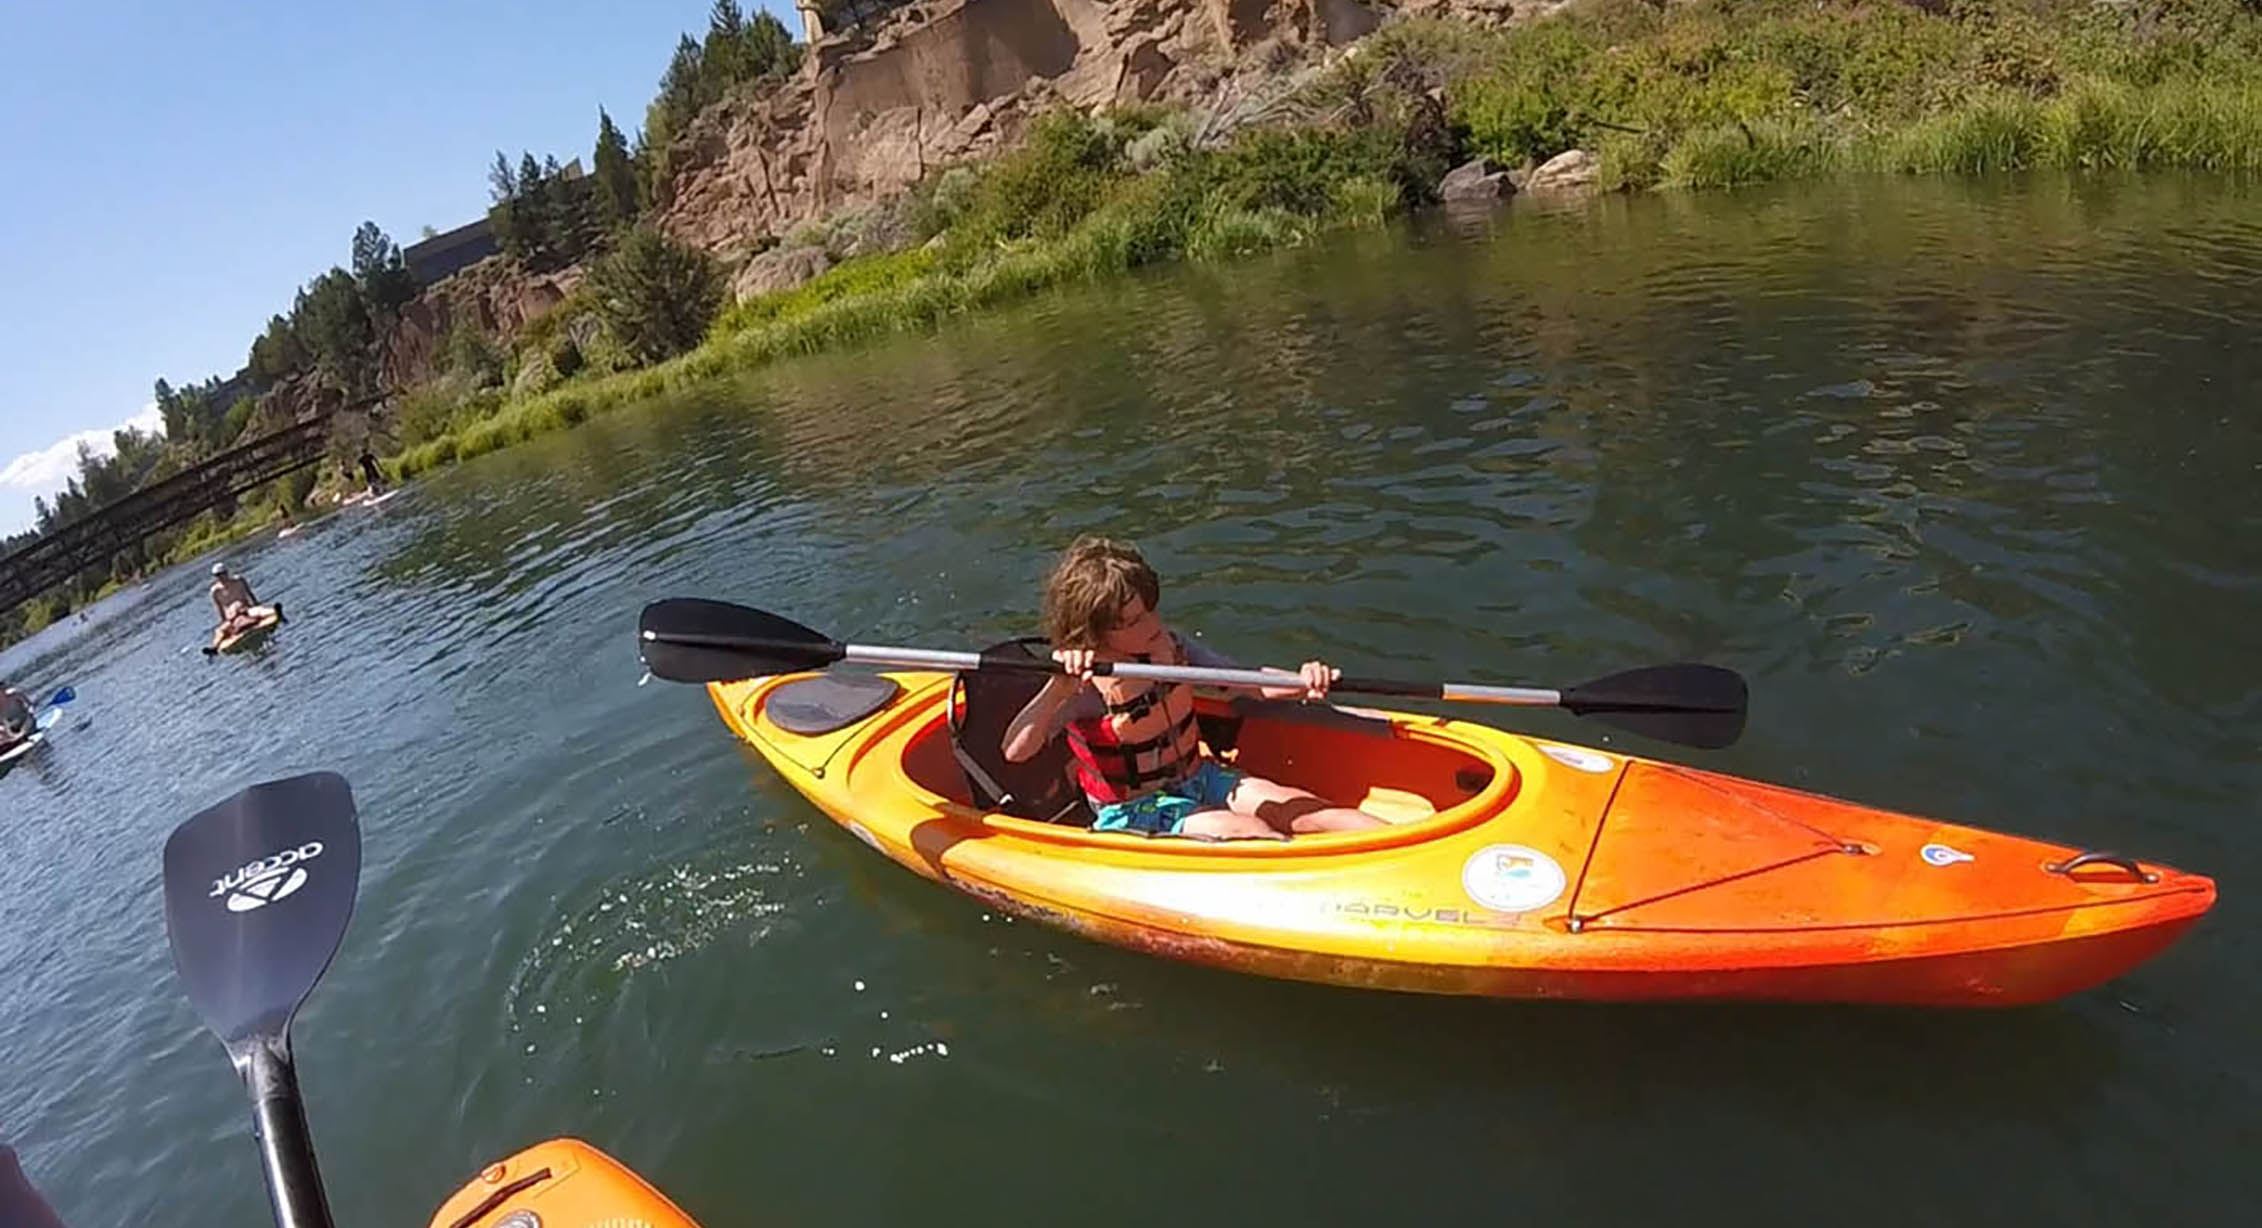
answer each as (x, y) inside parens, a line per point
(1145, 740)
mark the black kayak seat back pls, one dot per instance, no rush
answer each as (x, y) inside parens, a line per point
(982, 704)
(1044, 788)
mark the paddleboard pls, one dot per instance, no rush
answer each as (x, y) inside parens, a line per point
(387, 495)
(249, 635)
(46, 721)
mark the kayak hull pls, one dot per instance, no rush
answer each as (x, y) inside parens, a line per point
(1514, 868)
(2014, 976)
(563, 1182)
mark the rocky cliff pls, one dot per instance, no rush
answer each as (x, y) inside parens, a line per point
(947, 80)
(874, 109)
(495, 296)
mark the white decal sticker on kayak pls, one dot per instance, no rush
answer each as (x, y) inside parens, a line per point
(1942, 855)
(857, 830)
(1577, 757)
(1511, 878)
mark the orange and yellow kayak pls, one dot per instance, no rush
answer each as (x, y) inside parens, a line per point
(1514, 867)
(563, 1183)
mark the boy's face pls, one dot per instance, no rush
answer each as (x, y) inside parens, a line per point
(1137, 630)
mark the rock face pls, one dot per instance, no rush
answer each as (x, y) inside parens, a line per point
(945, 81)
(494, 296)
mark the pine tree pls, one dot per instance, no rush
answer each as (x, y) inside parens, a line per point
(275, 353)
(770, 50)
(500, 179)
(723, 61)
(502, 216)
(531, 223)
(668, 115)
(386, 284)
(332, 319)
(615, 175)
(567, 204)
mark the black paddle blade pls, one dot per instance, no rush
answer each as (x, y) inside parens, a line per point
(258, 890)
(692, 639)
(1696, 705)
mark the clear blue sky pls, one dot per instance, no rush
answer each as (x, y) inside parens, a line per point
(174, 176)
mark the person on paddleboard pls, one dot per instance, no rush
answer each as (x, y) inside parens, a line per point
(1138, 753)
(233, 600)
(371, 473)
(17, 719)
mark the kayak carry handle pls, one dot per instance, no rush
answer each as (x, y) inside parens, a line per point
(2099, 857)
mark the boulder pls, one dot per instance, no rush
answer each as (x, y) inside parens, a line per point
(780, 268)
(1475, 180)
(1573, 170)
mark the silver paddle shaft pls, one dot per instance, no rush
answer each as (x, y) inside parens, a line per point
(927, 658)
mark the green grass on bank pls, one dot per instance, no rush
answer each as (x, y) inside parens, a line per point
(1705, 94)
(1083, 198)
(1716, 93)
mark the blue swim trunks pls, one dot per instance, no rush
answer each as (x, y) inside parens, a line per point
(1164, 811)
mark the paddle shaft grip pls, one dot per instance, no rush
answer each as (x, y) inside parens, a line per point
(1390, 686)
(817, 655)
(286, 1146)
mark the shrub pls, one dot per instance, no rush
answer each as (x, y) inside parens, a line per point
(655, 295)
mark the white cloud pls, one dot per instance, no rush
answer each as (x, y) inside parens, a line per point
(45, 471)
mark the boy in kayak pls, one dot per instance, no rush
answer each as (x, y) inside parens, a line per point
(1137, 750)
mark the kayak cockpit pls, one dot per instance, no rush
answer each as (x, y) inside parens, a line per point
(1400, 771)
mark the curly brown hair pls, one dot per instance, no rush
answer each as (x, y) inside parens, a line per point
(1085, 595)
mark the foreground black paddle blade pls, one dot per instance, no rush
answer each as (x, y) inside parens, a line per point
(258, 890)
(692, 639)
(1696, 705)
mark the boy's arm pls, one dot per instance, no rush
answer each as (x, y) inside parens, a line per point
(1040, 718)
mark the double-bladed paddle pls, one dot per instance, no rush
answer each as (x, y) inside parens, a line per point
(258, 890)
(691, 639)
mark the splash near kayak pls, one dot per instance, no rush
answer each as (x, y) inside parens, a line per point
(1512, 867)
(561, 1182)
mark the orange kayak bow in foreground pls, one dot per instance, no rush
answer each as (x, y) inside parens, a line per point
(563, 1183)
(1515, 867)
